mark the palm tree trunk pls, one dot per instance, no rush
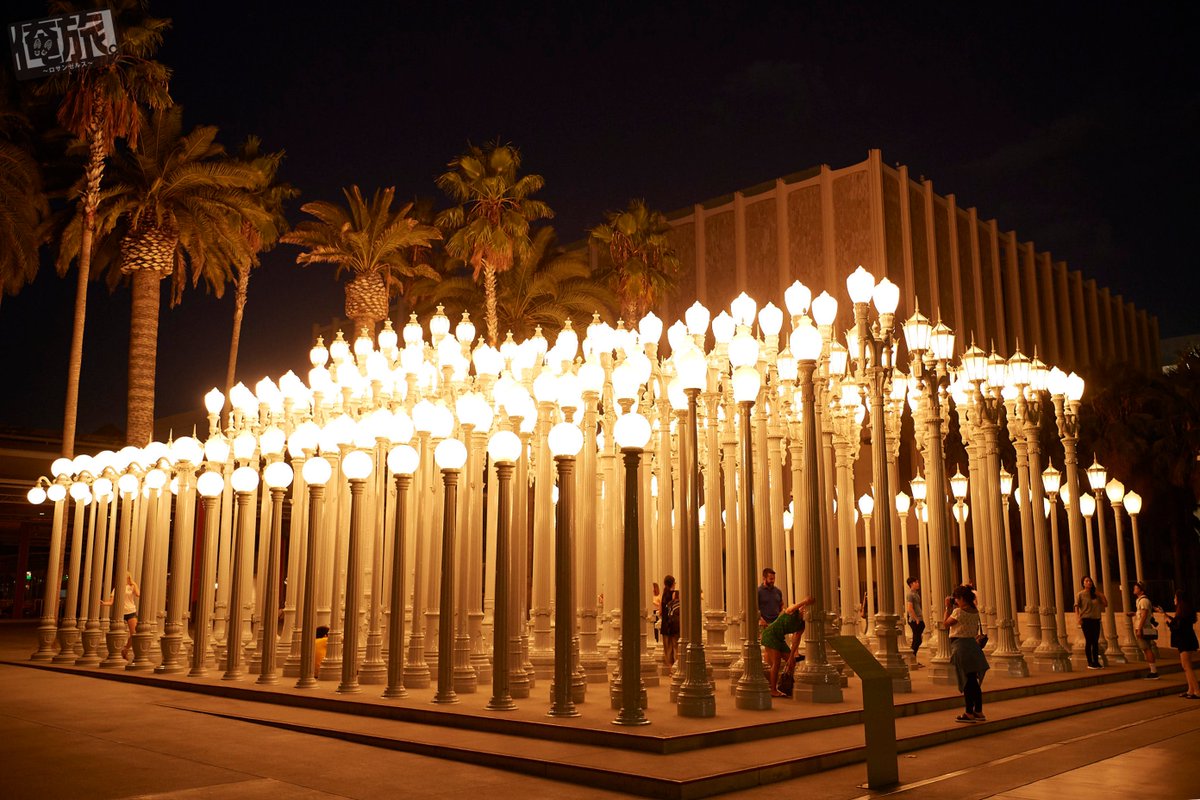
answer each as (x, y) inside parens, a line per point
(489, 290)
(91, 199)
(143, 352)
(239, 307)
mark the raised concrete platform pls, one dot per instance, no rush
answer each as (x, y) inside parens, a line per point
(673, 757)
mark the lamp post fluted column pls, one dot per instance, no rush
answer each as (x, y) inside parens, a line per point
(562, 444)
(875, 371)
(173, 632)
(402, 465)
(210, 492)
(816, 680)
(1050, 655)
(1007, 648)
(1111, 649)
(356, 470)
(316, 472)
(92, 635)
(633, 433)
(1116, 494)
(1029, 555)
(1060, 610)
(450, 456)
(504, 449)
(696, 695)
(68, 631)
(48, 628)
(1066, 412)
(117, 632)
(245, 481)
(279, 477)
(752, 691)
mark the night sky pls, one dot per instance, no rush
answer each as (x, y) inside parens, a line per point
(1076, 127)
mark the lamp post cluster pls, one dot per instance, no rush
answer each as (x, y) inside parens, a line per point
(577, 470)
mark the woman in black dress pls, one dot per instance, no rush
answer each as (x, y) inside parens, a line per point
(1183, 639)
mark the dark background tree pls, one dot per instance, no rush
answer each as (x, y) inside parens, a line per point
(1146, 432)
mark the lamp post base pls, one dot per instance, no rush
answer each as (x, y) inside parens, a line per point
(823, 692)
(1014, 664)
(92, 640)
(752, 692)
(68, 637)
(143, 644)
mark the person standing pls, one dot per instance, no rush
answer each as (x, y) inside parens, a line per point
(770, 599)
(670, 621)
(1145, 629)
(656, 606)
(916, 617)
(774, 641)
(1183, 639)
(1090, 603)
(129, 610)
(966, 656)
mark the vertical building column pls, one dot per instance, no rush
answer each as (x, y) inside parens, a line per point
(701, 257)
(739, 241)
(1049, 307)
(1003, 339)
(1108, 327)
(976, 299)
(1068, 361)
(782, 237)
(1028, 293)
(956, 267)
(875, 205)
(1136, 351)
(1013, 305)
(935, 293)
(909, 284)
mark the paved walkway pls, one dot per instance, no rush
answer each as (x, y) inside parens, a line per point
(71, 736)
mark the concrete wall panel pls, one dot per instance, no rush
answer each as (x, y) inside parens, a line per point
(762, 252)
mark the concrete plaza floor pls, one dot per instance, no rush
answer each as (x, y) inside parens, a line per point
(69, 735)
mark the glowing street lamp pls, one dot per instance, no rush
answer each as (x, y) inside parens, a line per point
(1115, 491)
(1133, 506)
(278, 477)
(632, 433)
(565, 440)
(316, 473)
(1097, 478)
(245, 481)
(450, 456)
(752, 692)
(504, 448)
(402, 460)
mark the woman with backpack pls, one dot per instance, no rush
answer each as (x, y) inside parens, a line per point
(669, 626)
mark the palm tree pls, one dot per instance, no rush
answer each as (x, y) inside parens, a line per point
(369, 240)
(175, 207)
(100, 104)
(645, 266)
(259, 238)
(489, 226)
(23, 205)
(545, 287)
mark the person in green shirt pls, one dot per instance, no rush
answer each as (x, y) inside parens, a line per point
(774, 643)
